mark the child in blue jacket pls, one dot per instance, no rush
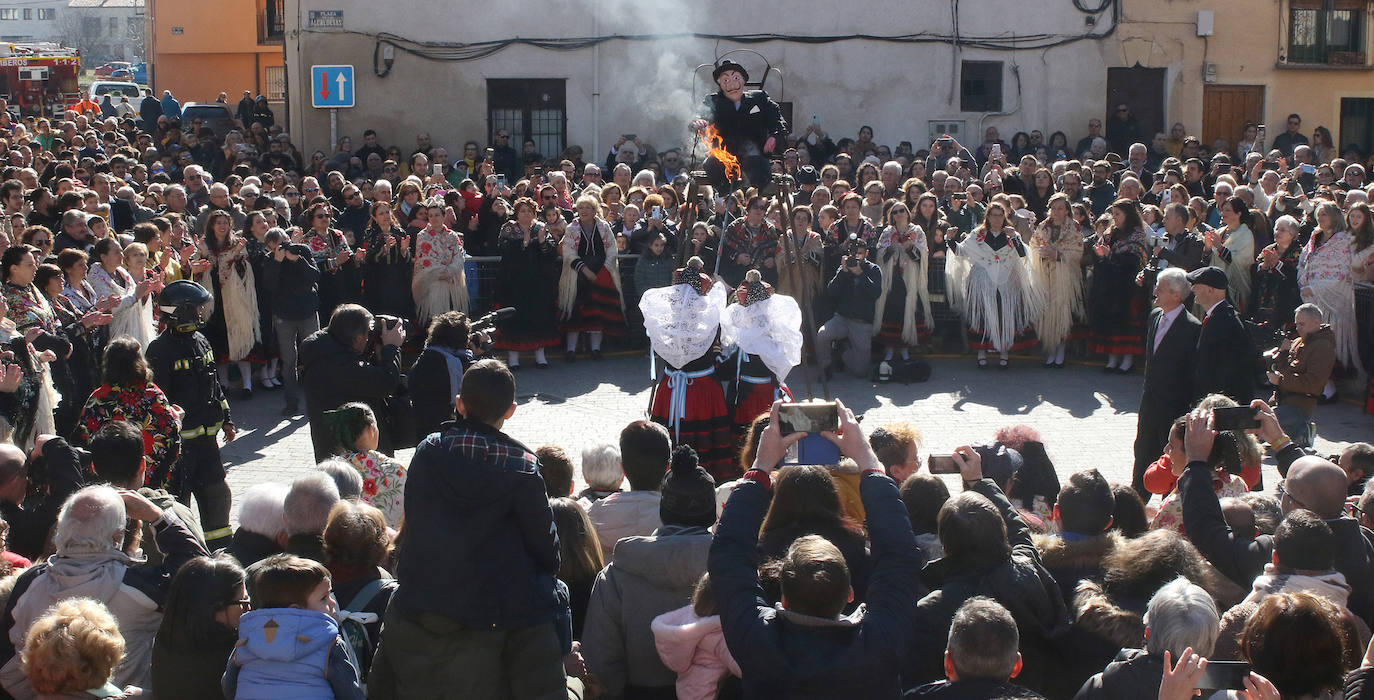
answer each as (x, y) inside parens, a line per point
(289, 644)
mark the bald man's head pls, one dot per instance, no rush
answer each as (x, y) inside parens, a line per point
(1317, 485)
(11, 462)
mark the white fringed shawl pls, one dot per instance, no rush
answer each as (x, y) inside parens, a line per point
(238, 297)
(567, 281)
(992, 289)
(437, 252)
(914, 275)
(1060, 281)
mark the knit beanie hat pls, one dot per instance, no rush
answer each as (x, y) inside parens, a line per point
(688, 495)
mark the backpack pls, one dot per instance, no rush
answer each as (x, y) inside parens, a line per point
(353, 626)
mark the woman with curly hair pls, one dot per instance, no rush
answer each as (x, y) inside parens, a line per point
(71, 652)
(356, 543)
(233, 329)
(528, 283)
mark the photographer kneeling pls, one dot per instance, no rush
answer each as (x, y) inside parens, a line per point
(336, 369)
(854, 291)
(450, 348)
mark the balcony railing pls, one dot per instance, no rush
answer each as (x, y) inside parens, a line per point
(272, 23)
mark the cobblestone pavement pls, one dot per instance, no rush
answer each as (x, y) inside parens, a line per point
(1086, 418)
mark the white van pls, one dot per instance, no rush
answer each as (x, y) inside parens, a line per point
(116, 89)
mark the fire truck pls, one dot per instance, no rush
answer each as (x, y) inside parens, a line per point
(39, 79)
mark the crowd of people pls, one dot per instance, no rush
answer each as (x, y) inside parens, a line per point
(155, 271)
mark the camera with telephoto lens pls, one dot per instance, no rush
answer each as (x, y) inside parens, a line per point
(485, 325)
(380, 323)
(849, 249)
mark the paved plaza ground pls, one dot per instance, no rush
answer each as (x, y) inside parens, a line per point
(1087, 418)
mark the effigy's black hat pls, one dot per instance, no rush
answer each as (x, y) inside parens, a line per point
(727, 64)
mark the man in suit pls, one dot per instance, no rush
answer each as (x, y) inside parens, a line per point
(1170, 353)
(1226, 362)
(750, 124)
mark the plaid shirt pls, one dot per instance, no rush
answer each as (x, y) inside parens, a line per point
(494, 447)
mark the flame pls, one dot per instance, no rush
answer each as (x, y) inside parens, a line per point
(731, 163)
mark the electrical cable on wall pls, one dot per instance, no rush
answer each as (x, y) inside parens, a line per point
(452, 51)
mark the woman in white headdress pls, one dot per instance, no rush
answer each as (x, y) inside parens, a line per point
(683, 325)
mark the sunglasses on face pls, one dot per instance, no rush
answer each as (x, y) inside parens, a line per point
(312, 189)
(293, 194)
(388, 170)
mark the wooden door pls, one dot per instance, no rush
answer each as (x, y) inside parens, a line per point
(1226, 108)
(1142, 89)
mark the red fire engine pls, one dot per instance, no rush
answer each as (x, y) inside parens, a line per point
(39, 79)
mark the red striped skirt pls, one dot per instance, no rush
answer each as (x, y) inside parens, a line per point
(597, 307)
(702, 420)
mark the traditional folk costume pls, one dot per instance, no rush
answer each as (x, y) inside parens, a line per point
(28, 411)
(133, 316)
(808, 285)
(683, 323)
(765, 330)
(528, 270)
(903, 307)
(1236, 256)
(1325, 270)
(233, 328)
(1116, 305)
(1057, 273)
(598, 305)
(438, 251)
(990, 286)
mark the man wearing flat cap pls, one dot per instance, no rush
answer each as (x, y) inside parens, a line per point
(1226, 361)
(750, 125)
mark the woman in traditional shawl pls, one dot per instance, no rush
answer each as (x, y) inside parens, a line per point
(1058, 246)
(903, 306)
(133, 316)
(233, 329)
(990, 284)
(589, 291)
(439, 283)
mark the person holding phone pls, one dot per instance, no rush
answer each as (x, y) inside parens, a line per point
(589, 290)
(527, 282)
(838, 657)
(387, 264)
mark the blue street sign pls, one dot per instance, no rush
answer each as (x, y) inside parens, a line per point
(331, 86)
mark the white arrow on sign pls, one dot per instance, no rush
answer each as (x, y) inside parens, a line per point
(342, 81)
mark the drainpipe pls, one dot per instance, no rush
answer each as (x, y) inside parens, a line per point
(596, 86)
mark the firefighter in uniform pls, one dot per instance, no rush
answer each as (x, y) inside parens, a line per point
(183, 364)
(750, 125)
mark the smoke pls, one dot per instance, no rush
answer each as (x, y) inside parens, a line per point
(662, 71)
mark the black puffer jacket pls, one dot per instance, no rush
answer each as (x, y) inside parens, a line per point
(1134, 675)
(1020, 583)
(333, 375)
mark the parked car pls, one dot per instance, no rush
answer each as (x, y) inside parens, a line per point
(116, 89)
(108, 69)
(122, 74)
(211, 114)
(140, 72)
